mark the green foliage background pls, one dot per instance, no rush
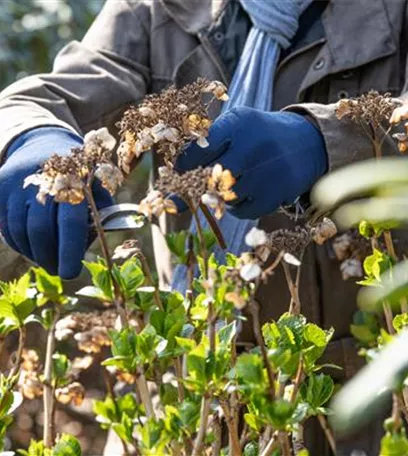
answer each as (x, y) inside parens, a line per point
(33, 31)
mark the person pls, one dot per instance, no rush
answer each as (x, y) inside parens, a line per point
(280, 136)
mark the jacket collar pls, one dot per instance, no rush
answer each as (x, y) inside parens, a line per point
(194, 15)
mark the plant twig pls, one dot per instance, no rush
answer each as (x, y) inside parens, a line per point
(235, 447)
(149, 277)
(141, 384)
(271, 446)
(22, 334)
(214, 226)
(327, 432)
(254, 309)
(48, 399)
(119, 299)
(297, 382)
(294, 306)
(284, 443)
(217, 444)
(204, 413)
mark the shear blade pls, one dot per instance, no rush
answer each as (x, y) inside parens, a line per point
(121, 217)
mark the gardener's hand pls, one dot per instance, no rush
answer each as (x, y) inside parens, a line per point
(55, 236)
(275, 157)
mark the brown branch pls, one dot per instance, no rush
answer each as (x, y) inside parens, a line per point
(48, 398)
(149, 277)
(327, 432)
(119, 299)
(214, 226)
(22, 334)
(235, 447)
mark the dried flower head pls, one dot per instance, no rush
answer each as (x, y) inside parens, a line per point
(64, 177)
(211, 186)
(370, 108)
(110, 176)
(323, 231)
(168, 121)
(89, 329)
(256, 237)
(351, 268)
(73, 393)
(128, 249)
(29, 382)
(289, 241)
(155, 204)
(399, 114)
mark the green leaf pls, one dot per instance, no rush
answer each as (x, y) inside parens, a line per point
(251, 449)
(176, 243)
(400, 321)
(394, 444)
(253, 421)
(279, 413)
(124, 429)
(249, 368)
(168, 394)
(60, 365)
(106, 410)
(227, 333)
(101, 278)
(50, 286)
(315, 335)
(317, 390)
(130, 276)
(67, 446)
(394, 287)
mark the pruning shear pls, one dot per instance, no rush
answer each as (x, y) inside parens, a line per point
(121, 217)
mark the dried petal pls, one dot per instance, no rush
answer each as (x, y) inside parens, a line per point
(323, 231)
(236, 299)
(250, 271)
(110, 177)
(255, 237)
(351, 268)
(291, 259)
(101, 138)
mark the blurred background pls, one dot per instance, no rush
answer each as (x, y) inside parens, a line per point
(32, 32)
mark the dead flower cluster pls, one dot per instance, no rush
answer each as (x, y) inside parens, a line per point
(370, 108)
(65, 177)
(168, 121)
(211, 186)
(29, 382)
(89, 329)
(351, 249)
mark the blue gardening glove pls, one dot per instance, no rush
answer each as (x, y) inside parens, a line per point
(55, 236)
(275, 157)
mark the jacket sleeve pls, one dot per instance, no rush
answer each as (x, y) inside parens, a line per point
(91, 81)
(345, 140)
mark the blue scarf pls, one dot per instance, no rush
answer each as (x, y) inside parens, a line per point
(275, 23)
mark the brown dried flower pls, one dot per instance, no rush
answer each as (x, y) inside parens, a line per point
(127, 249)
(323, 231)
(370, 108)
(155, 204)
(63, 177)
(89, 329)
(351, 268)
(74, 392)
(167, 121)
(29, 382)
